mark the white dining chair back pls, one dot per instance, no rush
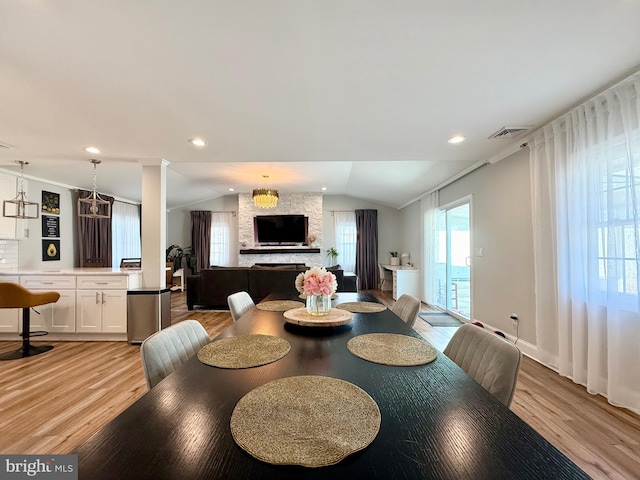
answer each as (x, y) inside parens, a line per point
(239, 304)
(167, 349)
(489, 359)
(407, 308)
(382, 273)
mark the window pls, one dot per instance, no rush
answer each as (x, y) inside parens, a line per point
(125, 232)
(220, 253)
(618, 227)
(346, 236)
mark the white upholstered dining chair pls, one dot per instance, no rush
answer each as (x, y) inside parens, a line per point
(489, 359)
(239, 304)
(167, 349)
(407, 308)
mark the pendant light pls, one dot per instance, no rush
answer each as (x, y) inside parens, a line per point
(265, 197)
(20, 206)
(94, 206)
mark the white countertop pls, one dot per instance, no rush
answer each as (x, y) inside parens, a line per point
(74, 271)
(399, 267)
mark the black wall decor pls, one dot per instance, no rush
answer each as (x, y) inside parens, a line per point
(50, 226)
(50, 250)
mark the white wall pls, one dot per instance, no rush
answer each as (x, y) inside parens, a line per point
(502, 227)
(31, 248)
(412, 233)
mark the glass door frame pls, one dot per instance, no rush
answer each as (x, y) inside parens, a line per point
(466, 200)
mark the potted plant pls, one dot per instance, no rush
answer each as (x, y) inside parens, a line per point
(175, 254)
(333, 253)
(394, 258)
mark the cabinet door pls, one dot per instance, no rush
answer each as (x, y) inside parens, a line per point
(10, 320)
(56, 317)
(7, 192)
(114, 311)
(89, 311)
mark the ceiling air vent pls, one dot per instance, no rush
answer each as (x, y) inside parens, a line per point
(510, 132)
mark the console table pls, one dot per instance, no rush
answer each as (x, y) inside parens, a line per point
(405, 280)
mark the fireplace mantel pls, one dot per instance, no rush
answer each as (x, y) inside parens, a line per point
(287, 250)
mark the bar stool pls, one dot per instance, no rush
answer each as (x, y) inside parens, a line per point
(13, 295)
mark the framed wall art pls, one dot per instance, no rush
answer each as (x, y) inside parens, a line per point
(50, 250)
(50, 203)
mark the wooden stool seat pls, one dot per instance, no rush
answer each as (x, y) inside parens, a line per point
(13, 295)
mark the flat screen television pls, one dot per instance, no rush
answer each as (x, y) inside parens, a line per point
(280, 229)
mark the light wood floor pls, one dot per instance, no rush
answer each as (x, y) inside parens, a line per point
(53, 402)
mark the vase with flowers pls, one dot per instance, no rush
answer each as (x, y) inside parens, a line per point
(318, 285)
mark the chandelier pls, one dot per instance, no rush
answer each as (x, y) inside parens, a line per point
(20, 206)
(94, 206)
(265, 197)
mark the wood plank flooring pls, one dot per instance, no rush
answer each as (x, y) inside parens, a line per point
(53, 402)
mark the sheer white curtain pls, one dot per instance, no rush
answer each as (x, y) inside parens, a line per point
(585, 174)
(125, 232)
(346, 235)
(221, 223)
(429, 206)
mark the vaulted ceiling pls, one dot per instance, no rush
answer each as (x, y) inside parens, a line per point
(358, 96)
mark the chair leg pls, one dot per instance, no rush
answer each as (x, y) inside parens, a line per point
(27, 349)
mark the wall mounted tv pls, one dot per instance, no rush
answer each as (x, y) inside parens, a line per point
(280, 229)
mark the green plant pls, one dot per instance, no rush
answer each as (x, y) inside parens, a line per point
(394, 254)
(175, 254)
(333, 253)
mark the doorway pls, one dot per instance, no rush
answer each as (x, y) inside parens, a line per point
(453, 267)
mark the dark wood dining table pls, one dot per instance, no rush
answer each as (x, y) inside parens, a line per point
(436, 422)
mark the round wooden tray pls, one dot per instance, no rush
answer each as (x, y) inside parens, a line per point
(334, 318)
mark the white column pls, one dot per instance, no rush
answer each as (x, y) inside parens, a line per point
(154, 222)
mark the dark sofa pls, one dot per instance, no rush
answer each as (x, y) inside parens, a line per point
(213, 285)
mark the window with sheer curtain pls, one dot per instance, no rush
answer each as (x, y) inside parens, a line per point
(346, 236)
(125, 230)
(585, 177)
(220, 239)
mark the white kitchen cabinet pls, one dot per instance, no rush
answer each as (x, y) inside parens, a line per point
(10, 318)
(101, 304)
(53, 317)
(56, 317)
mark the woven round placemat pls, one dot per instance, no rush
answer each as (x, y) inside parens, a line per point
(279, 305)
(392, 349)
(308, 420)
(362, 307)
(244, 351)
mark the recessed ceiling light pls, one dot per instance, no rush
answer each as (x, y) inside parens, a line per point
(92, 150)
(324, 189)
(456, 139)
(197, 141)
(231, 189)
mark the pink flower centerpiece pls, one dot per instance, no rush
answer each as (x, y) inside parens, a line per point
(318, 285)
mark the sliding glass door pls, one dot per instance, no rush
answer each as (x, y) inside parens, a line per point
(453, 267)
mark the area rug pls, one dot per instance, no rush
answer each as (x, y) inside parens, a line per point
(440, 319)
